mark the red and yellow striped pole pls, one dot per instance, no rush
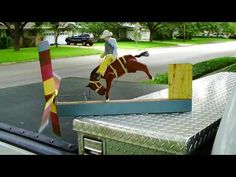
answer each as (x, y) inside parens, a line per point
(51, 84)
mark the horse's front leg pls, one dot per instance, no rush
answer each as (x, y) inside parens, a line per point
(109, 78)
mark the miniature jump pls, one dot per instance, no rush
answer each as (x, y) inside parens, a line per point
(179, 97)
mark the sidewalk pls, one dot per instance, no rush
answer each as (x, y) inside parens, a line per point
(121, 52)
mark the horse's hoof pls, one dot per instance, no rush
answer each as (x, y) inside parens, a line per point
(153, 78)
(107, 100)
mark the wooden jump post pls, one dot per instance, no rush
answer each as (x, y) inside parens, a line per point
(51, 84)
(180, 81)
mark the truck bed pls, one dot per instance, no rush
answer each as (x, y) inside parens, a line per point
(175, 133)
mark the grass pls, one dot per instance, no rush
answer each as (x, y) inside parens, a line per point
(31, 54)
(139, 45)
(202, 68)
(199, 40)
(166, 43)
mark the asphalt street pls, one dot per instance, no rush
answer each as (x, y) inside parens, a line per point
(27, 73)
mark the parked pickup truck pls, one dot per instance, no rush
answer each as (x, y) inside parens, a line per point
(84, 39)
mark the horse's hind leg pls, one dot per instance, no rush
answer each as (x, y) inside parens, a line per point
(141, 67)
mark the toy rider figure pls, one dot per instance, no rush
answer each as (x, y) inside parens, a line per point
(110, 53)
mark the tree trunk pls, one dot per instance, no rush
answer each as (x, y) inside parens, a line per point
(172, 34)
(56, 39)
(17, 37)
(151, 35)
(16, 33)
(208, 34)
(184, 33)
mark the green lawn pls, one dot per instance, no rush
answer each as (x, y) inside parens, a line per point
(31, 54)
(199, 40)
(202, 68)
(166, 43)
(139, 45)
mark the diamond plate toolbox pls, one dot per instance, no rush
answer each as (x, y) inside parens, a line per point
(175, 133)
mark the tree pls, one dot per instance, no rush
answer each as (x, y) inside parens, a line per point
(153, 27)
(186, 30)
(16, 30)
(114, 27)
(59, 27)
(209, 27)
(93, 27)
(96, 28)
(166, 32)
(229, 28)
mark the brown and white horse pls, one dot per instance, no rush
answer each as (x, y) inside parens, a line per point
(122, 65)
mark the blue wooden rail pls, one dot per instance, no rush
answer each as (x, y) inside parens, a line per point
(116, 107)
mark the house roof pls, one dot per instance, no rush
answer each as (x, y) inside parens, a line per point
(2, 26)
(31, 25)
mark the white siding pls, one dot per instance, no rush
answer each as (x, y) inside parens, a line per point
(145, 35)
(130, 33)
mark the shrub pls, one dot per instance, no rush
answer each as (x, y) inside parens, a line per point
(189, 37)
(161, 78)
(202, 68)
(29, 42)
(5, 42)
(232, 36)
(162, 35)
(231, 68)
(125, 39)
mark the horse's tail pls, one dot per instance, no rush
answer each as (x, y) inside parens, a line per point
(146, 54)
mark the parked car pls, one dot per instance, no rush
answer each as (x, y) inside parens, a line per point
(84, 39)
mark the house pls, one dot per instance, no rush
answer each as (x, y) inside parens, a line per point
(48, 34)
(29, 38)
(2, 30)
(128, 31)
(33, 35)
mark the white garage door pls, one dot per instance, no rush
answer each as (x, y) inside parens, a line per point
(51, 38)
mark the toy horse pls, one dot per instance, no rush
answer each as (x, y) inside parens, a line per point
(122, 65)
